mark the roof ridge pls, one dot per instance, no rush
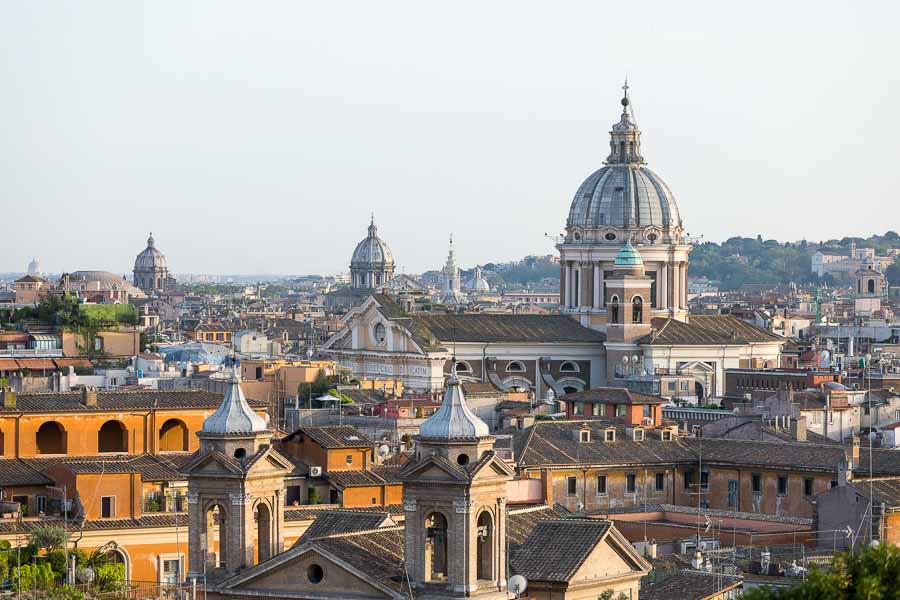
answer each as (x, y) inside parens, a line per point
(345, 534)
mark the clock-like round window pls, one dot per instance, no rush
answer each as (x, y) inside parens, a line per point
(610, 236)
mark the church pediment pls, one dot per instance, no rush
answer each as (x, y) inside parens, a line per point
(268, 462)
(435, 468)
(212, 463)
(491, 467)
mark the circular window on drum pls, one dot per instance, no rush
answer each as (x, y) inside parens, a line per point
(380, 334)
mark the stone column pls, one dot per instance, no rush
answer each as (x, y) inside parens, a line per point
(567, 301)
(675, 286)
(598, 285)
(663, 275)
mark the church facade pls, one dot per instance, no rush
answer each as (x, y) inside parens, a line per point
(623, 282)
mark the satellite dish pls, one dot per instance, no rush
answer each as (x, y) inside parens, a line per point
(517, 584)
(579, 506)
(383, 450)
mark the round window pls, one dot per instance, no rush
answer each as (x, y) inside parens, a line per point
(610, 236)
(462, 459)
(577, 236)
(651, 237)
(314, 573)
(240, 453)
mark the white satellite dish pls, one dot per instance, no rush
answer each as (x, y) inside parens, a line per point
(517, 584)
(579, 506)
(383, 450)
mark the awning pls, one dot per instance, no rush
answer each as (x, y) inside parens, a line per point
(8, 364)
(36, 364)
(73, 362)
(45, 337)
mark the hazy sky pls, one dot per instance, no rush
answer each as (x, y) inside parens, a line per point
(256, 137)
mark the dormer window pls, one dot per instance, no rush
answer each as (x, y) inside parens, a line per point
(609, 435)
(584, 435)
(667, 435)
(639, 435)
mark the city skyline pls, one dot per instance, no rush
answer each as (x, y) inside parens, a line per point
(243, 141)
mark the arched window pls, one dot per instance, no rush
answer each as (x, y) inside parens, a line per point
(380, 333)
(637, 309)
(515, 367)
(173, 436)
(263, 517)
(51, 438)
(485, 550)
(435, 547)
(462, 368)
(112, 437)
(622, 150)
(614, 310)
(216, 537)
(871, 286)
(568, 367)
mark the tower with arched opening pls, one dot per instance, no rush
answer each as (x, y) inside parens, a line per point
(454, 496)
(235, 491)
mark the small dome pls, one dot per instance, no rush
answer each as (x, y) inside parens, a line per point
(150, 259)
(629, 257)
(234, 415)
(372, 251)
(454, 420)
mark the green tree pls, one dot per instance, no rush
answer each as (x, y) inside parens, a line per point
(893, 272)
(872, 574)
(314, 497)
(111, 577)
(49, 537)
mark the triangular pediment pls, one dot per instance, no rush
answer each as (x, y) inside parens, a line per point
(492, 468)
(434, 468)
(212, 463)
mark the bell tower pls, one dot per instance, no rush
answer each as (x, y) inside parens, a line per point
(454, 497)
(235, 490)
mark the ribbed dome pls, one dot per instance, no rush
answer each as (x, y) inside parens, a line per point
(624, 195)
(454, 420)
(372, 251)
(234, 415)
(151, 258)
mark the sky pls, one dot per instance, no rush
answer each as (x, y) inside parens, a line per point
(258, 137)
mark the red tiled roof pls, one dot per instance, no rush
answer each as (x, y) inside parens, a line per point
(36, 363)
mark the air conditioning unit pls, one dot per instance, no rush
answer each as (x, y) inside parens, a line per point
(647, 421)
(315, 471)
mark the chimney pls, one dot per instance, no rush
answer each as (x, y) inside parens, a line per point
(9, 398)
(798, 428)
(855, 450)
(89, 396)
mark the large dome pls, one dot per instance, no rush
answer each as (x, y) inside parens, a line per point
(150, 259)
(625, 195)
(372, 251)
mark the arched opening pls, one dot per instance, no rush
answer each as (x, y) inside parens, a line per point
(112, 437)
(263, 532)
(637, 309)
(698, 390)
(515, 367)
(871, 286)
(485, 549)
(570, 389)
(859, 287)
(159, 282)
(462, 368)
(435, 547)
(216, 537)
(173, 436)
(51, 438)
(568, 367)
(622, 150)
(614, 310)
(240, 453)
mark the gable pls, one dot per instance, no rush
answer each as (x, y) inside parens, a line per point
(292, 576)
(604, 561)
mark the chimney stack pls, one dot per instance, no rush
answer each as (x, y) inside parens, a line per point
(89, 396)
(9, 398)
(798, 428)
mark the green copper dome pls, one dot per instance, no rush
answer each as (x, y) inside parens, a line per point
(628, 256)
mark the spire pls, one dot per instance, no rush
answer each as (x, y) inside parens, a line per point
(150, 240)
(373, 230)
(234, 415)
(454, 420)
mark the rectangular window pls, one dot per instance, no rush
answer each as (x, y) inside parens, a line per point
(601, 484)
(660, 482)
(620, 410)
(585, 436)
(595, 409)
(756, 483)
(577, 408)
(782, 486)
(107, 507)
(645, 410)
(866, 409)
(571, 486)
(688, 480)
(349, 459)
(631, 483)
(704, 480)
(41, 502)
(667, 435)
(610, 435)
(807, 487)
(171, 571)
(732, 492)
